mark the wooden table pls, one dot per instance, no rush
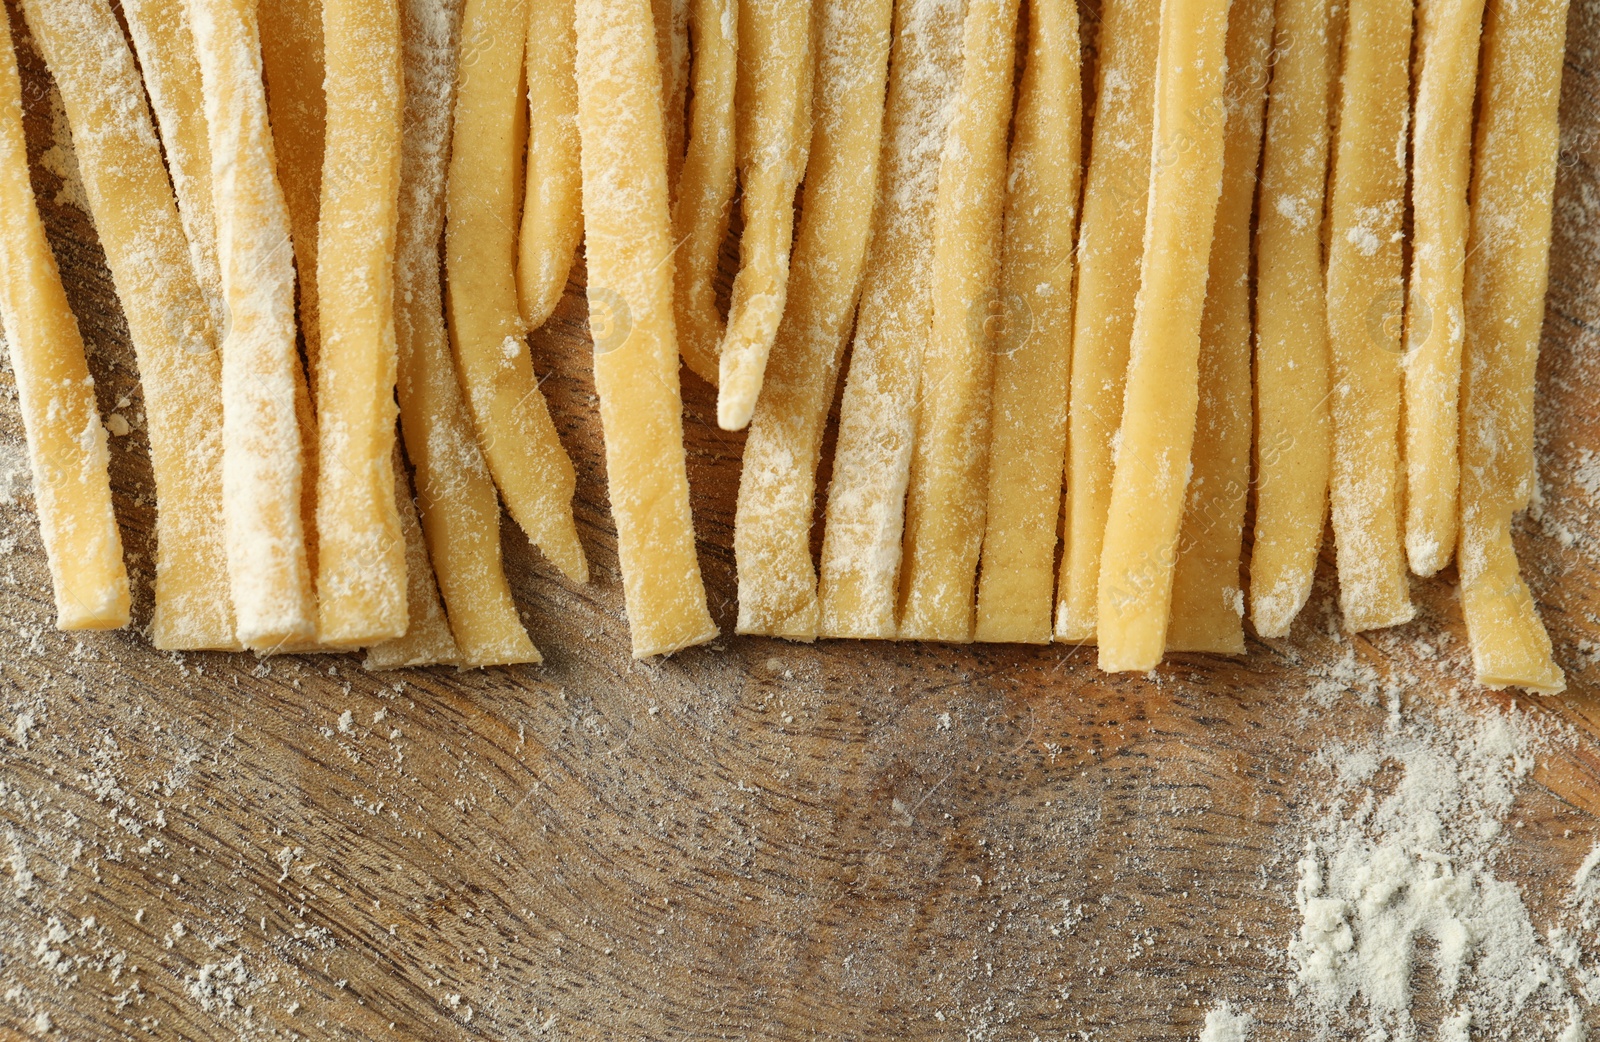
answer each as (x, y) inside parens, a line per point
(752, 840)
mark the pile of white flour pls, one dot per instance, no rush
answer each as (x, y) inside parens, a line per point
(1398, 876)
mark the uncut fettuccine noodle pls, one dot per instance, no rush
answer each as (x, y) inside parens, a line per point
(262, 463)
(773, 102)
(361, 560)
(1441, 165)
(860, 569)
(705, 187)
(1366, 205)
(777, 487)
(168, 320)
(1207, 601)
(164, 42)
(1034, 313)
(1158, 420)
(629, 247)
(672, 48)
(66, 442)
(552, 213)
(460, 510)
(1293, 428)
(1110, 245)
(1507, 273)
(519, 440)
(945, 504)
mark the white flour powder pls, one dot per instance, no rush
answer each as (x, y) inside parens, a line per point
(1399, 869)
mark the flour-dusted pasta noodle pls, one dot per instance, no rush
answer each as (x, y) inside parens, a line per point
(948, 493)
(519, 440)
(773, 102)
(1155, 442)
(1508, 258)
(705, 188)
(66, 442)
(1294, 428)
(361, 559)
(1033, 356)
(1207, 599)
(1110, 245)
(552, 210)
(1365, 303)
(1441, 162)
(629, 244)
(777, 487)
(262, 455)
(860, 572)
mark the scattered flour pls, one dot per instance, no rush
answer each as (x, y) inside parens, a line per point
(1399, 866)
(60, 159)
(1223, 1024)
(16, 479)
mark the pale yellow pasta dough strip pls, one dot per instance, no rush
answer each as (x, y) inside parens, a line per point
(1207, 597)
(1154, 449)
(1110, 245)
(629, 247)
(705, 187)
(456, 495)
(427, 640)
(294, 65)
(773, 102)
(168, 322)
(1294, 432)
(164, 42)
(552, 213)
(1365, 299)
(519, 440)
(777, 487)
(262, 454)
(1507, 273)
(860, 571)
(672, 47)
(1033, 312)
(66, 442)
(948, 491)
(361, 559)
(1441, 161)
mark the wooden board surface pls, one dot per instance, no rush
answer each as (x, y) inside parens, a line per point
(751, 840)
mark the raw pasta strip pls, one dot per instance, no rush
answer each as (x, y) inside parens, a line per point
(1110, 245)
(773, 102)
(1441, 166)
(947, 497)
(514, 428)
(777, 488)
(168, 320)
(1033, 311)
(427, 640)
(66, 442)
(1507, 273)
(460, 511)
(1207, 601)
(705, 187)
(552, 215)
(361, 560)
(1294, 433)
(164, 42)
(1365, 299)
(1158, 419)
(294, 65)
(636, 372)
(262, 460)
(860, 572)
(672, 47)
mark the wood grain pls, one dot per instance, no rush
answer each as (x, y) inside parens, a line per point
(753, 840)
